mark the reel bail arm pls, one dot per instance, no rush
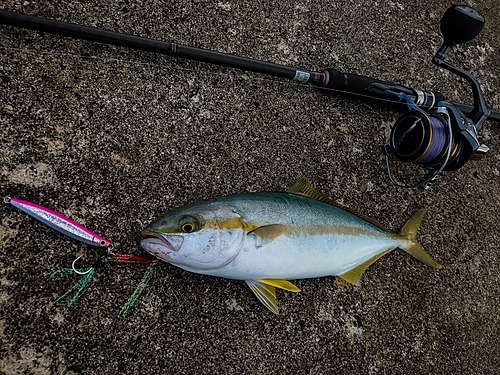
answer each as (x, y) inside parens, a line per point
(419, 135)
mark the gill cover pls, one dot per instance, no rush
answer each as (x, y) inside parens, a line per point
(201, 236)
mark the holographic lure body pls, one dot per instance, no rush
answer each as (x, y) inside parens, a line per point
(78, 232)
(61, 223)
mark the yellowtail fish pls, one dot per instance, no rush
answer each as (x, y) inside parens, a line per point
(267, 239)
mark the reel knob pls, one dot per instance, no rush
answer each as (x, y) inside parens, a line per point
(461, 24)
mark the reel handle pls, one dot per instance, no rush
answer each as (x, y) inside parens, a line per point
(461, 24)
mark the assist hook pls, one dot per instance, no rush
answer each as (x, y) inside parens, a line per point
(97, 263)
(78, 272)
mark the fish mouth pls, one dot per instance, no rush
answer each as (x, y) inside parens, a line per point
(171, 242)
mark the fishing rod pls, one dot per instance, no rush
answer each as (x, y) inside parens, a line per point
(435, 134)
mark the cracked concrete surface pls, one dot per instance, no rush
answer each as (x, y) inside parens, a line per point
(114, 140)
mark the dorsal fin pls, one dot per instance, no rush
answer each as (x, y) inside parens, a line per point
(304, 188)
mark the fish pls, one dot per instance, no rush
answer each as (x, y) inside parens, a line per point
(269, 238)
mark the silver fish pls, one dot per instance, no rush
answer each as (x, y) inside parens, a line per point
(267, 239)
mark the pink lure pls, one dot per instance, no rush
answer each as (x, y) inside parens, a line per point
(60, 223)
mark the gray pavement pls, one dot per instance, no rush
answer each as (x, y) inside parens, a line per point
(114, 141)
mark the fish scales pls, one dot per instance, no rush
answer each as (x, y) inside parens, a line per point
(267, 239)
(319, 239)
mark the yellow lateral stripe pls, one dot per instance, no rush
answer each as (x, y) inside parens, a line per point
(347, 230)
(293, 230)
(231, 223)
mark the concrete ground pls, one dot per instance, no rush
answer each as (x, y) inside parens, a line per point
(114, 141)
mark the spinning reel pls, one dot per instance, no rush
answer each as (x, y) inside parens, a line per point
(434, 134)
(441, 137)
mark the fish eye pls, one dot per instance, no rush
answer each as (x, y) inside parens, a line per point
(188, 225)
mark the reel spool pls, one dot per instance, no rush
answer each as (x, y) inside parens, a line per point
(444, 139)
(420, 138)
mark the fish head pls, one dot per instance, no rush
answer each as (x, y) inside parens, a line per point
(196, 237)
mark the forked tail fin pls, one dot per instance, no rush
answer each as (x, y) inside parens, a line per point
(412, 247)
(409, 231)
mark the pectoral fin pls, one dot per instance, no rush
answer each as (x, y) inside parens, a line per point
(265, 293)
(354, 275)
(268, 233)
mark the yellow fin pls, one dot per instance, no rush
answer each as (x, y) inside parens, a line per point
(409, 231)
(280, 283)
(411, 227)
(268, 233)
(354, 276)
(265, 293)
(303, 187)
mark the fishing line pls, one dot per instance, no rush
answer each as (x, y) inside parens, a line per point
(438, 141)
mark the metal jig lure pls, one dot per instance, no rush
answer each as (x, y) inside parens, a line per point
(62, 224)
(78, 232)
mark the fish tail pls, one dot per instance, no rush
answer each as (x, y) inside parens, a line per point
(409, 232)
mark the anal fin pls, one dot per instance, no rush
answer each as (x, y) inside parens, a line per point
(353, 276)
